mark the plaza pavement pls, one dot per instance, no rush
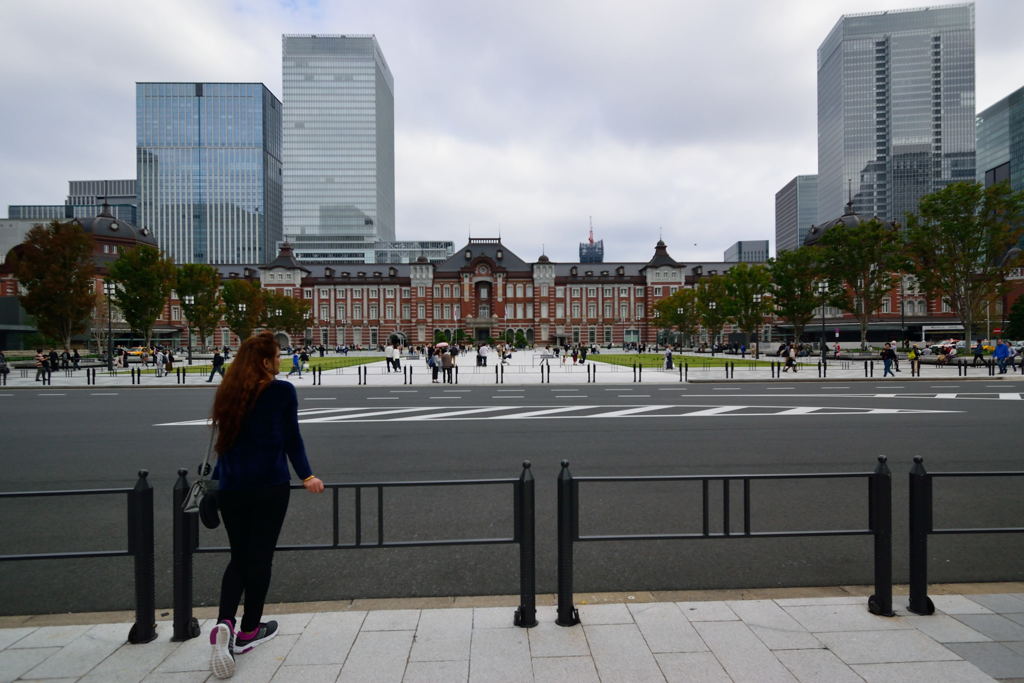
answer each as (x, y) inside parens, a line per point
(525, 369)
(808, 635)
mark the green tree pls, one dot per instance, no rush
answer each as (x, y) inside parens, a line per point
(198, 287)
(1015, 320)
(795, 275)
(281, 312)
(679, 311)
(144, 279)
(748, 288)
(520, 341)
(962, 243)
(712, 304)
(243, 306)
(54, 264)
(861, 264)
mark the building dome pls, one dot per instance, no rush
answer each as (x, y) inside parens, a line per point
(543, 259)
(105, 225)
(422, 259)
(849, 219)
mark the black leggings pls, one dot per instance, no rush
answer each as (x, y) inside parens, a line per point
(253, 520)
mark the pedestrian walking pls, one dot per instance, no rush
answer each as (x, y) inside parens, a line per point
(888, 355)
(41, 365)
(1001, 353)
(447, 364)
(218, 365)
(257, 436)
(396, 357)
(389, 357)
(76, 358)
(668, 358)
(979, 354)
(296, 366)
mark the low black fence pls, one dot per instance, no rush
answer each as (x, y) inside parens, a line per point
(139, 510)
(879, 506)
(186, 539)
(921, 525)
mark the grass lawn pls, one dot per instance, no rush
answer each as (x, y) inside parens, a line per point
(332, 362)
(657, 360)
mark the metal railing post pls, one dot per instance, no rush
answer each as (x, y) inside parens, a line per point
(880, 500)
(140, 544)
(634, 372)
(640, 373)
(920, 526)
(526, 613)
(186, 535)
(567, 613)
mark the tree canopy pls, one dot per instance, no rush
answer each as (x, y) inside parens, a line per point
(963, 244)
(712, 300)
(286, 313)
(795, 274)
(243, 306)
(679, 310)
(54, 264)
(747, 288)
(144, 279)
(198, 287)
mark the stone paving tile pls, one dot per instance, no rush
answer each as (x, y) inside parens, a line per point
(260, 665)
(1016, 618)
(562, 669)
(884, 647)
(10, 636)
(842, 617)
(1001, 602)
(776, 629)
(291, 624)
(665, 628)
(493, 617)
(392, 620)
(443, 635)
(437, 672)
(995, 659)
(178, 677)
(316, 673)
(327, 639)
(922, 672)
(817, 666)
(946, 629)
(837, 600)
(958, 604)
(548, 639)
(79, 656)
(378, 656)
(500, 654)
(131, 663)
(686, 667)
(1016, 647)
(995, 626)
(706, 611)
(620, 654)
(605, 614)
(190, 655)
(52, 636)
(743, 656)
(13, 663)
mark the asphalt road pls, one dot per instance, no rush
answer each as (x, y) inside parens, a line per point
(69, 439)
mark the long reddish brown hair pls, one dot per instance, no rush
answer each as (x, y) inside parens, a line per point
(247, 376)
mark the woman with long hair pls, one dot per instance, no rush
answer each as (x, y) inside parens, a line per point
(256, 418)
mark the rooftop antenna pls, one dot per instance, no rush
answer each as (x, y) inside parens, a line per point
(659, 234)
(591, 237)
(499, 232)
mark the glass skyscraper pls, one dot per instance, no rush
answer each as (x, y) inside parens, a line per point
(1000, 132)
(209, 170)
(339, 147)
(895, 109)
(796, 210)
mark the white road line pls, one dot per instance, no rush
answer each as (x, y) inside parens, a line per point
(324, 398)
(944, 386)
(545, 412)
(995, 386)
(891, 386)
(781, 388)
(508, 397)
(13, 394)
(350, 416)
(458, 398)
(635, 396)
(451, 413)
(457, 391)
(404, 391)
(381, 398)
(945, 395)
(629, 411)
(501, 390)
(1009, 397)
(726, 389)
(618, 390)
(804, 410)
(833, 387)
(51, 394)
(96, 394)
(717, 410)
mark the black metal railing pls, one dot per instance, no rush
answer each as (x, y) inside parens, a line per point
(140, 547)
(922, 524)
(879, 525)
(186, 539)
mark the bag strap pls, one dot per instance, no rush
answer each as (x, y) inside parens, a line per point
(205, 470)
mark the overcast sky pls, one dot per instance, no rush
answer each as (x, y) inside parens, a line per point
(675, 118)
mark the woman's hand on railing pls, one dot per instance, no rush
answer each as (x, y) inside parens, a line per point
(313, 485)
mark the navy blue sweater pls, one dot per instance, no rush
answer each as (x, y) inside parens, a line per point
(269, 432)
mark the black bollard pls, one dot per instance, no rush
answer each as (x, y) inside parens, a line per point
(140, 544)
(920, 526)
(526, 613)
(865, 368)
(567, 613)
(496, 373)
(880, 502)
(185, 538)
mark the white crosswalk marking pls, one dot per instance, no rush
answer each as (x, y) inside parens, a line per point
(451, 413)
(360, 416)
(1009, 397)
(717, 410)
(542, 413)
(629, 411)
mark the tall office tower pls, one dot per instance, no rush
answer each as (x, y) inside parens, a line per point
(796, 210)
(895, 109)
(209, 170)
(1000, 130)
(96, 191)
(339, 147)
(747, 251)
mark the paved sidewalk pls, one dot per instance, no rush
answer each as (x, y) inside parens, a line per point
(525, 369)
(974, 637)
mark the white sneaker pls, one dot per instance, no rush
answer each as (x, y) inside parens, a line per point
(222, 662)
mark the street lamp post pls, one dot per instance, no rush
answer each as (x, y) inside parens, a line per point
(757, 343)
(109, 288)
(188, 300)
(679, 312)
(903, 321)
(822, 290)
(712, 305)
